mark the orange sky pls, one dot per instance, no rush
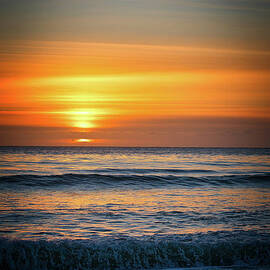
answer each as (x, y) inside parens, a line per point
(97, 89)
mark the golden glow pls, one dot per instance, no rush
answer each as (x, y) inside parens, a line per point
(83, 119)
(92, 202)
(84, 125)
(84, 140)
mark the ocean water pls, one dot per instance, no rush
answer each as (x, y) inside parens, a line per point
(134, 208)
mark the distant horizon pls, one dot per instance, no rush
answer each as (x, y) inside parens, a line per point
(114, 146)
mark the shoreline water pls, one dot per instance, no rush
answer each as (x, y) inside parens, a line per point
(119, 208)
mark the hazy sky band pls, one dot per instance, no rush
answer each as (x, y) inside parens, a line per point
(219, 23)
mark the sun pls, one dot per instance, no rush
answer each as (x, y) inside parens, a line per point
(84, 125)
(84, 119)
(84, 140)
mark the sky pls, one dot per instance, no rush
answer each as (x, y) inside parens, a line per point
(191, 73)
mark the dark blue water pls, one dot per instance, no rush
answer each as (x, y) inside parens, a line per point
(131, 208)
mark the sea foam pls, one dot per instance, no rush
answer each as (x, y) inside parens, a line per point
(131, 253)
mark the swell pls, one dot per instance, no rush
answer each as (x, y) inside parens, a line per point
(128, 253)
(101, 180)
(149, 171)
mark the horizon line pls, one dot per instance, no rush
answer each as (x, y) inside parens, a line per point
(113, 146)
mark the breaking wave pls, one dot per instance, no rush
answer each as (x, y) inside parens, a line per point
(130, 253)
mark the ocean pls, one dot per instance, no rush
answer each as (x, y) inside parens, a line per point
(134, 208)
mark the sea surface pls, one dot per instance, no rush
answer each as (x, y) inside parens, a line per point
(134, 208)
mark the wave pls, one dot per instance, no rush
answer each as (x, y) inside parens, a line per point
(146, 181)
(131, 253)
(148, 171)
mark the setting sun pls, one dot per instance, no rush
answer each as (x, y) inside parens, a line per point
(83, 118)
(84, 140)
